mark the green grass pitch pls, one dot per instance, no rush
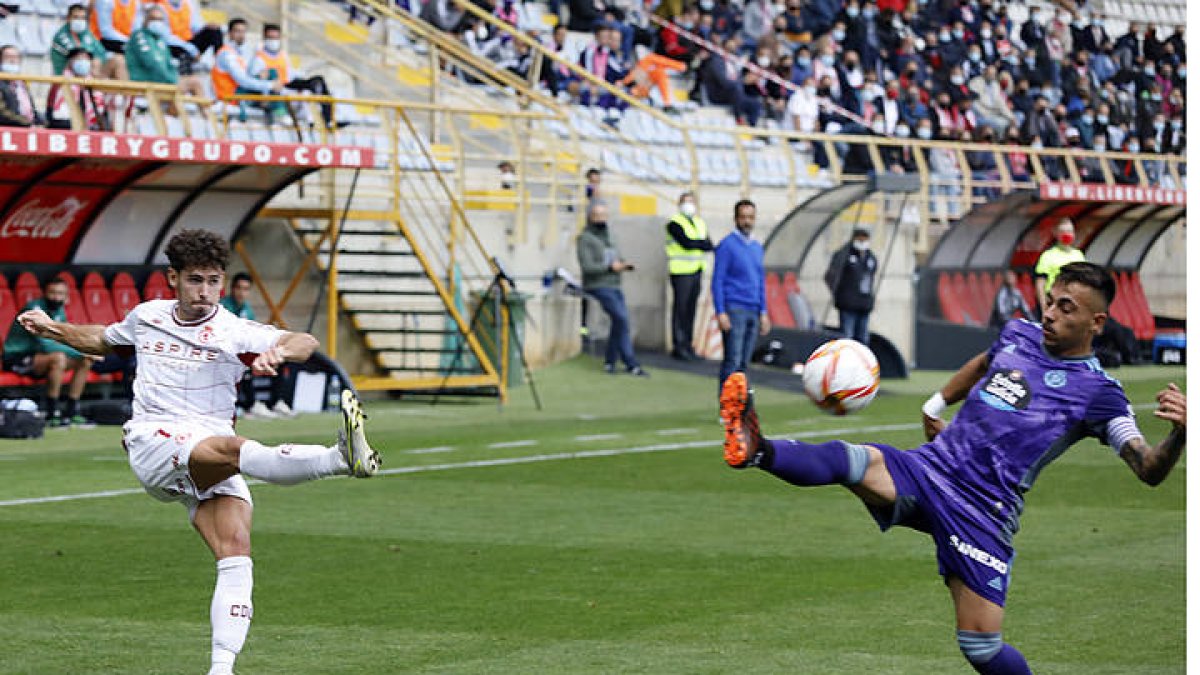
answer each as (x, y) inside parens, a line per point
(659, 560)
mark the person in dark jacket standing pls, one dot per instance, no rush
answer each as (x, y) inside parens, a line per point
(687, 247)
(602, 265)
(851, 280)
(739, 291)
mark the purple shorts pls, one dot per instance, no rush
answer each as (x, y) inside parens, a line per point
(973, 537)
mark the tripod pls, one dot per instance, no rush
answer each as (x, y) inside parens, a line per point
(497, 295)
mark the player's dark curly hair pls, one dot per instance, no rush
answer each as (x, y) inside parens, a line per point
(197, 248)
(1090, 275)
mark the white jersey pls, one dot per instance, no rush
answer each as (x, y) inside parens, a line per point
(189, 370)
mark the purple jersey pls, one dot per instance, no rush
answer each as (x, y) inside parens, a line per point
(1024, 414)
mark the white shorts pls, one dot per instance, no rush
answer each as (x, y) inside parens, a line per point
(158, 455)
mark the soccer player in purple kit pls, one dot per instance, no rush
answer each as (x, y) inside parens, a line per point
(1033, 394)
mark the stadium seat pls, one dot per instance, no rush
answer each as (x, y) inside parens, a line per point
(961, 295)
(778, 310)
(124, 294)
(952, 310)
(97, 300)
(156, 287)
(1027, 288)
(27, 288)
(978, 303)
(76, 311)
(8, 312)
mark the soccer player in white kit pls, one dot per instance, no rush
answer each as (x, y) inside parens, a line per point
(191, 353)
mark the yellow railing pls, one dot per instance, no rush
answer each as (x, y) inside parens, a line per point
(748, 141)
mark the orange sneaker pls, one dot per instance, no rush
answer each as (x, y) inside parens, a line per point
(742, 437)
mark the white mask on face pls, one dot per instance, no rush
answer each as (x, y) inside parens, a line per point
(688, 209)
(764, 61)
(272, 46)
(81, 67)
(10, 68)
(862, 244)
(78, 26)
(159, 27)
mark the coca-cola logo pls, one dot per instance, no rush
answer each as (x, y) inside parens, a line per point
(34, 221)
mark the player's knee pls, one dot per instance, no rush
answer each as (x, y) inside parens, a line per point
(979, 647)
(58, 361)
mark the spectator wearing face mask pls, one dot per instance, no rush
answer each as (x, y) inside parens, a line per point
(850, 278)
(25, 354)
(16, 101)
(149, 57)
(272, 63)
(231, 74)
(723, 83)
(75, 34)
(91, 105)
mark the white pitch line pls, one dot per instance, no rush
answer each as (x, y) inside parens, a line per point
(430, 451)
(513, 444)
(682, 431)
(597, 437)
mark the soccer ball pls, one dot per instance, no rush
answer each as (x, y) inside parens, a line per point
(841, 376)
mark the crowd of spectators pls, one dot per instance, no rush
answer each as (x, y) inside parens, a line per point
(932, 69)
(155, 41)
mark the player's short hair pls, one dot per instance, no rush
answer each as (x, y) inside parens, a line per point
(239, 278)
(54, 281)
(743, 202)
(268, 27)
(76, 6)
(197, 248)
(234, 23)
(1090, 275)
(592, 172)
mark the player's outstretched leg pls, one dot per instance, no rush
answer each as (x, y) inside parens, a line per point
(357, 453)
(798, 463)
(290, 464)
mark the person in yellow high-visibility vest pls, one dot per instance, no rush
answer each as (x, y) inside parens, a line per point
(688, 245)
(1054, 258)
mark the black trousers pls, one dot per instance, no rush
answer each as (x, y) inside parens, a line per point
(315, 85)
(685, 291)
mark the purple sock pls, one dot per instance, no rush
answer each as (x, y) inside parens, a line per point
(817, 464)
(1007, 661)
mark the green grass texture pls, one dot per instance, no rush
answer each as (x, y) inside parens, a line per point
(603, 534)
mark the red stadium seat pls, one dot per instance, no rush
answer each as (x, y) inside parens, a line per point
(98, 302)
(156, 287)
(1139, 296)
(125, 295)
(778, 310)
(962, 294)
(1029, 290)
(91, 279)
(27, 288)
(76, 312)
(8, 312)
(980, 302)
(951, 307)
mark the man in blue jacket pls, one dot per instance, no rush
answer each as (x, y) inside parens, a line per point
(739, 291)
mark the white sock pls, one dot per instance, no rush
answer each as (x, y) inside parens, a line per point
(290, 464)
(231, 611)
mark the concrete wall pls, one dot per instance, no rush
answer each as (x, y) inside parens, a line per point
(1164, 274)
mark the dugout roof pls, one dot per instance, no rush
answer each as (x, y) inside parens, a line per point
(104, 198)
(1013, 230)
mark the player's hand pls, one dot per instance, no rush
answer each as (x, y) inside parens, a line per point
(276, 86)
(1172, 406)
(36, 321)
(723, 321)
(933, 426)
(764, 325)
(264, 364)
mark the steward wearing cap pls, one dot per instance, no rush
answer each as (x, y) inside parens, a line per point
(851, 281)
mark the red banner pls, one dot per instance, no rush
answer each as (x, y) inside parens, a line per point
(46, 143)
(1133, 194)
(42, 226)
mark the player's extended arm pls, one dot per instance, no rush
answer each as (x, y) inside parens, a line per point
(955, 390)
(1153, 463)
(294, 347)
(85, 339)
